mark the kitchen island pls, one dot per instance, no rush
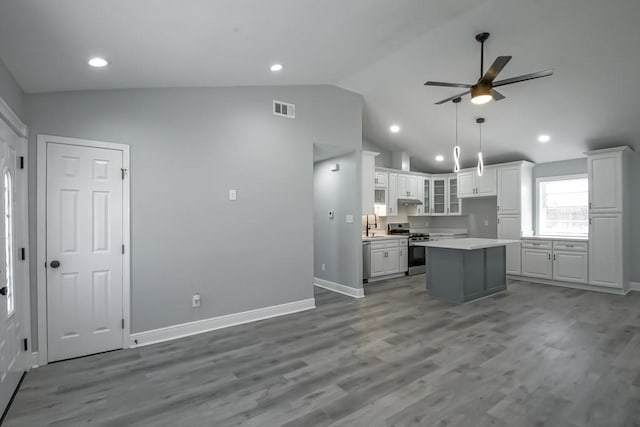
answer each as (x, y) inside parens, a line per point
(461, 270)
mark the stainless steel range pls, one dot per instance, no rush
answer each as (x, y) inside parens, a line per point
(417, 254)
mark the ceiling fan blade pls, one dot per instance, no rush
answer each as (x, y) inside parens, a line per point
(495, 68)
(497, 96)
(523, 78)
(463, 85)
(452, 98)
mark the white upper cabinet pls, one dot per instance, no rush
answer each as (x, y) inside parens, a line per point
(509, 186)
(472, 185)
(439, 205)
(486, 185)
(466, 183)
(605, 169)
(381, 180)
(407, 186)
(454, 204)
(424, 193)
(392, 207)
(368, 180)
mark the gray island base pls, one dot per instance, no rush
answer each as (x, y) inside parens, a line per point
(463, 270)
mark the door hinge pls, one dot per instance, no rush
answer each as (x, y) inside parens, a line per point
(26, 344)
(123, 172)
(123, 249)
(23, 254)
(21, 162)
(122, 323)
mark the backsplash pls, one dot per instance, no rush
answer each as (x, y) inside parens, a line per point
(479, 217)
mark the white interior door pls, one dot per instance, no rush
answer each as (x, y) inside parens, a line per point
(84, 250)
(13, 285)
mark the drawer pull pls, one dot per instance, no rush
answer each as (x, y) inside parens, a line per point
(569, 246)
(535, 244)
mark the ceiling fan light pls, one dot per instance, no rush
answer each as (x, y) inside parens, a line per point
(481, 99)
(481, 94)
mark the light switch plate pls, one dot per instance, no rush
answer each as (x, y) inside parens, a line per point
(349, 219)
(233, 195)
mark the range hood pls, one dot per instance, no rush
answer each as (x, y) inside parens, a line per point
(407, 202)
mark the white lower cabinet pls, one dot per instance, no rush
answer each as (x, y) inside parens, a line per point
(403, 259)
(389, 257)
(509, 228)
(570, 266)
(537, 263)
(605, 248)
(564, 261)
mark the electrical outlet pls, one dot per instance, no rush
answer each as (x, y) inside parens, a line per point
(195, 301)
(324, 267)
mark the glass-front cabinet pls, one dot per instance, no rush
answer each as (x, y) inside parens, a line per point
(439, 196)
(426, 196)
(454, 206)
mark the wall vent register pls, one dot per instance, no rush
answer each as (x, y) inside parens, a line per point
(284, 109)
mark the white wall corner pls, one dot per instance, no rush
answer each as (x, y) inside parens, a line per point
(337, 287)
(206, 325)
(634, 286)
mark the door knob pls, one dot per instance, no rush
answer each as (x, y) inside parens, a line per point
(3, 290)
(55, 263)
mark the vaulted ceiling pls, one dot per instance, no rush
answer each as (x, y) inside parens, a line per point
(384, 50)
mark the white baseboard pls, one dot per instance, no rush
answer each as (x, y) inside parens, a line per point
(569, 285)
(337, 287)
(634, 286)
(199, 326)
(35, 359)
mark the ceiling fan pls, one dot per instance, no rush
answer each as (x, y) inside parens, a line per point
(483, 91)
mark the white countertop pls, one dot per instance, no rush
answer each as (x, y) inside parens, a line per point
(383, 237)
(467, 244)
(567, 238)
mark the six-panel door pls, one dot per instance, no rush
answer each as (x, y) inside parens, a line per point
(84, 250)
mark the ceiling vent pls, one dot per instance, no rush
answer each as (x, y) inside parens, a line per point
(283, 109)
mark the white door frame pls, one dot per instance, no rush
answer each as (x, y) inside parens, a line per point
(21, 179)
(43, 358)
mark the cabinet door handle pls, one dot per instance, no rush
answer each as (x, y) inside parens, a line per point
(554, 257)
(549, 257)
(386, 254)
(376, 180)
(498, 208)
(400, 253)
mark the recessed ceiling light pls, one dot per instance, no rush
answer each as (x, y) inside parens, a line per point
(276, 67)
(544, 138)
(98, 62)
(439, 158)
(394, 128)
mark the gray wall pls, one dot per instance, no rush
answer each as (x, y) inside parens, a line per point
(564, 167)
(336, 243)
(188, 148)
(10, 92)
(383, 160)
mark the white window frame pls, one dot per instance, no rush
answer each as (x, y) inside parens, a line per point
(542, 179)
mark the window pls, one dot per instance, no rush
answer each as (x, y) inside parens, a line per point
(8, 241)
(563, 205)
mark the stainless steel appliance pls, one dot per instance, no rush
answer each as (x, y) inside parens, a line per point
(417, 254)
(366, 261)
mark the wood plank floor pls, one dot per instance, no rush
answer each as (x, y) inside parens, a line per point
(533, 356)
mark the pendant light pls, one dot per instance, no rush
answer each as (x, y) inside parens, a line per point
(480, 167)
(456, 148)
